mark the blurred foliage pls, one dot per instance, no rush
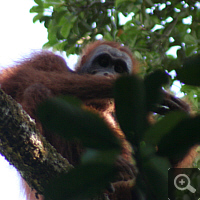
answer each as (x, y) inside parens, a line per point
(150, 28)
(174, 134)
(97, 169)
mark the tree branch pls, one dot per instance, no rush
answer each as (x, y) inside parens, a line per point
(25, 148)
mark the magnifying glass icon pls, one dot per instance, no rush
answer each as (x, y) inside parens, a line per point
(182, 182)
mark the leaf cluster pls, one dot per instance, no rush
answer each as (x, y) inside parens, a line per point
(150, 27)
(71, 24)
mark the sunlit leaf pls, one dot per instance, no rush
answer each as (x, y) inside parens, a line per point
(52, 33)
(39, 2)
(67, 23)
(37, 9)
(37, 17)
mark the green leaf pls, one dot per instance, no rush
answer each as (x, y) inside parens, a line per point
(81, 183)
(176, 143)
(67, 23)
(155, 170)
(149, 2)
(191, 50)
(130, 107)
(37, 9)
(119, 3)
(153, 84)
(70, 50)
(190, 72)
(108, 36)
(154, 134)
(72, 122)
(39, 2)
(54, 1)
(52, 32)
(65, 30)
(179, 6)
(37, 17)
(46, 20)
(137, 54)
(189, 39)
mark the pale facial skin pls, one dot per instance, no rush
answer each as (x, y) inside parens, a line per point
(107, 61)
